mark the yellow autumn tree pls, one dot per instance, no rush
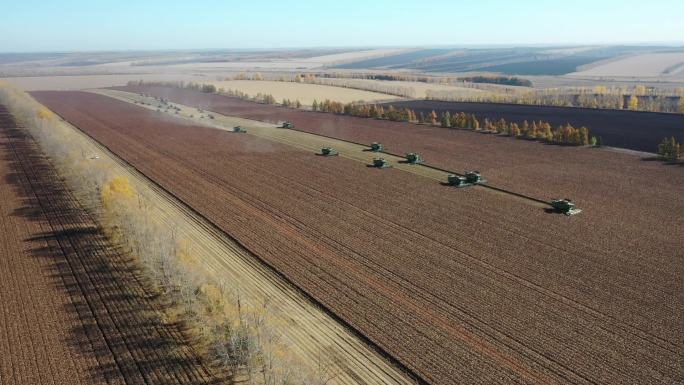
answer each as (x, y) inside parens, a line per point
(45, 114)
(633, 103)
(433, 117)
(116, 197)
(118, 189)
(640, 90)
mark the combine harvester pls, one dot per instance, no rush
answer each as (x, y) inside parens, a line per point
(413, 158)
(376, 147)
(471, 178)
(328, 151)
(565, 206)
(379, 163)
(238, 130)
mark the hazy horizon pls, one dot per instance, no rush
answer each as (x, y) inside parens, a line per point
(674, 44)
(81, 26)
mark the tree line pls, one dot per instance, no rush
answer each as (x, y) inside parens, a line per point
(241, 334)
(638, 98)
(399, 77)
(505, 80)
(357, 84)
(211, 89)
(635, 98)
(671, 150)
(542, 131)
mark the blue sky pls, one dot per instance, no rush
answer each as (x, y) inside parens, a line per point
(29, 25)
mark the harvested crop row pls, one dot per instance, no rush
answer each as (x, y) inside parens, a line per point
(631, 197)
(457, 285)
(74, 310)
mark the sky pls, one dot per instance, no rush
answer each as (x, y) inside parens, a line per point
(98, 25)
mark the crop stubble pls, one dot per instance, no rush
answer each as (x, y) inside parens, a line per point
(74, 311)
(457, 286)
(622, 191)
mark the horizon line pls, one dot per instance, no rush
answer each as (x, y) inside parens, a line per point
(664, 44)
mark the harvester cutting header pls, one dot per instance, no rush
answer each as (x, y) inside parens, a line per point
(413, 158)
(380, 163)
(565, 206)
(328, 151)
(470, 178)
(376, 147)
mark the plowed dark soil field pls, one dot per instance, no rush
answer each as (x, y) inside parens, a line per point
(460, 286)
(640, 131)
(72, 310)
(622, 191)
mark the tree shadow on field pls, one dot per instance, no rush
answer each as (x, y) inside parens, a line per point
(663, 161)
(119, 319)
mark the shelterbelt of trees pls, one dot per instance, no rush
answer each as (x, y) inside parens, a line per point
(635, 98)
(671, 150)
(541, 131)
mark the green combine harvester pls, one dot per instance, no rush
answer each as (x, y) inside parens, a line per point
(565, 206)
(376, 147)
(328, 151)
(413, 158)
(380, 163)
(286, 125)
(457, 181)
(239, 130)
(471, 178)
(474, 177)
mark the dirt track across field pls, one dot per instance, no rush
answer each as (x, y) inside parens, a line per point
(73, 309)
(459, 286)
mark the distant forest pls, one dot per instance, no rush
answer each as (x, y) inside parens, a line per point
(506, 80)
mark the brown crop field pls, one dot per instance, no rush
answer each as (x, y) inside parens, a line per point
(460, 286)
(615, 188)
(80, 82)
(640, 131)
(635, 130)
(73, 310)
(305, 93)
(637, 66)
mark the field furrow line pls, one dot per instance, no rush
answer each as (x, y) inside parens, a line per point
(488, 300)
(85, 286)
